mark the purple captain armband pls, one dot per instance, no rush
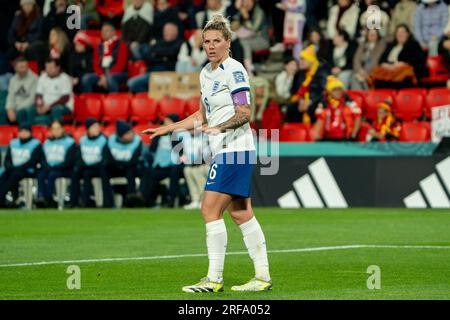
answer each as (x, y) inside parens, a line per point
(241, 98)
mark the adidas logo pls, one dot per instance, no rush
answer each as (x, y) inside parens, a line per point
(318, 190)
(432, 189)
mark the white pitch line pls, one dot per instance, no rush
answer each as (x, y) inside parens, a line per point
(345, 247)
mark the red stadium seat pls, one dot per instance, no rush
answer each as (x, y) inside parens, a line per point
(116, 107)
(143, 109)
(373, 98)
(293, 132)
(438, 72)
(192, 105)
(168, 105)
(363, 131)
(109, 129)
(79, 132)
(141, 127)
(7, 133)
(272, 117)
(87, 106)
(34, 66)
(435, 98)
(40, 132)
(70, 129)
(357, 97)
(414, 132)
(409, 105)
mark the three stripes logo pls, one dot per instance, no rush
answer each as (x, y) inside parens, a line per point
(432, 189)
(307, 195)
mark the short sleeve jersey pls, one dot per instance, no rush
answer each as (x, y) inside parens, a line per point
(217, 88)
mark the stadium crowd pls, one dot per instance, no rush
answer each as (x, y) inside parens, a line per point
(333, 53)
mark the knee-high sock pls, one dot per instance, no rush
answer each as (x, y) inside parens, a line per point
(256, 246)
(216, 241)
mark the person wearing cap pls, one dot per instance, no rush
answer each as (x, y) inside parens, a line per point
(430, 22)
(123, 156)
(163, 164)
(22, 158)
(58, 162)
(81, 59)
(338, 118)
(25, 30)
(91, 163)
(307, 88)
(385, 128)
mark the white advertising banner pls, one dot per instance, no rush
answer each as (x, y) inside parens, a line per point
(440, 123)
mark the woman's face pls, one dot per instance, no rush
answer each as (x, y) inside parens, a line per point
(372, 35)
(57, 130)
(402, 35)
(27, 8)
(215, 45)
(314, 37)
(53, 37)
(292, 67)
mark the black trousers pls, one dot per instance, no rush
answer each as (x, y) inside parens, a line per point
(86, 173)
(152, 177)
(129, 172)
(9, 181)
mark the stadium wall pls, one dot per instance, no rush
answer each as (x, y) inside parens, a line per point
(317, 182)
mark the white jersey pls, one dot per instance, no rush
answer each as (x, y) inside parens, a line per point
(217, 88)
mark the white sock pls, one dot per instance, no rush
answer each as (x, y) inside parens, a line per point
(256, 246)
(216, 241)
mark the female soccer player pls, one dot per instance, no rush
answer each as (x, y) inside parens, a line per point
(224, 115)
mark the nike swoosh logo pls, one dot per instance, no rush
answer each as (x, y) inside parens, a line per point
(208, 183)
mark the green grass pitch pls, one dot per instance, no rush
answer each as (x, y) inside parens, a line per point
(159, 248)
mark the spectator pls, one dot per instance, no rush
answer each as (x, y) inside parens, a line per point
(308, 86)
(403, 13)
(58, 17)
(163, 165)
(164, 14)
(251, 28)
(110, 63)
(260, 94)
(285, 79)
(22, 158)
(21, 94)
(137, 27)
(25, 30)
(91, 163)
(320, 44)
(212, 7)
(338, 118)
(80, 62)
(110, 11)
(53, 94)
(124, 151)
(402, 63)
(58, 48)
(58, 162)
(196, 153)
(385, 128)
(294, 23)
(366, 58)
(162, 57)
(343, 16)
(429, 24)
(444, 49)
(383, 28)
(192, 57)
(341, 57)
(89, 13)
